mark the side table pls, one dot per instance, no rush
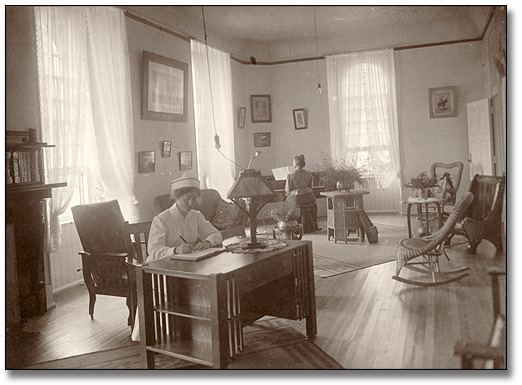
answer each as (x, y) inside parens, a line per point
(424, 203)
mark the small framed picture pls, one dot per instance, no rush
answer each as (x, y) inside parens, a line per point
(242, 114)
(443, 102)
(262, 139)
(261, 108)
(185, 160)
(165, 153)
(299, 119)
(146, 162)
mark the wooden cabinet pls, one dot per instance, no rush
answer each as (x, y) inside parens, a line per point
(24, 195)
(196, 310)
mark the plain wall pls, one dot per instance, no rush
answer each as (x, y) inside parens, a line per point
(424, 140)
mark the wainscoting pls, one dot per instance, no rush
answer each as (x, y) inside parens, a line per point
(65, 262)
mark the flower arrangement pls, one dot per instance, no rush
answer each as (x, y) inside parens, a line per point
(421, 182)
(338, 170)
(287, 212)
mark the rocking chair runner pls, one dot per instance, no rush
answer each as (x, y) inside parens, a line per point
(425, 252)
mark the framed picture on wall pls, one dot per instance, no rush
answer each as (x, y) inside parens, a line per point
(261, 108)
(299, 119)
(165, 87)
(242, 114)
(165, 153)
(443, 102)
(262, 139)
(185, 160)
(146, 162)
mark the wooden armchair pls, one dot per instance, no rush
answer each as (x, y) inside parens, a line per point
(483, 218)
(490, 355)
(101, 230)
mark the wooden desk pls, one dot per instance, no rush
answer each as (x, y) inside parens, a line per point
(426, 202)
(340, 209)
(196, 310)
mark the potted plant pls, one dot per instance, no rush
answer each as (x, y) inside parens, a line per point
(338, 174)
(286, 215)
(421, 184)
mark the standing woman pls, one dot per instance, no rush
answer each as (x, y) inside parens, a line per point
(299, 188)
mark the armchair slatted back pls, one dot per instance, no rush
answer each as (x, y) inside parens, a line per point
(489, 192)
(137, 237)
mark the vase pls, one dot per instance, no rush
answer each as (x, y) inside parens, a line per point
(283, 225)
(344, 185)
(421, 193)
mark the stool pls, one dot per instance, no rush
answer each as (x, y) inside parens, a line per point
(307, 218)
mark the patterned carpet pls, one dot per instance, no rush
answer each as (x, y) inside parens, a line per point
(332, 258)
(268, 344)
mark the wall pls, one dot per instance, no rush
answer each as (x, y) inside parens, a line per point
(21, 79)
(150, 134)
(424, 140)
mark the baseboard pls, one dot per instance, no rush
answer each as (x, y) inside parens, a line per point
(68, 286)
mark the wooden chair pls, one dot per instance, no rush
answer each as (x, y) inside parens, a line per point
(101, 230)
(137, 239)
(490, 355)
(483, 218)
(425, 252)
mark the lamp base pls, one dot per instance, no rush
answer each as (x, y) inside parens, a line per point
(254, 245)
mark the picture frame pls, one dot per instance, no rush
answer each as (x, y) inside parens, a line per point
(146, 162)
(242, 115)
(165, 153)
(262, 139)
(185, 160)
(165, 88)
(443, 102)
(261, 108)
(299, 119)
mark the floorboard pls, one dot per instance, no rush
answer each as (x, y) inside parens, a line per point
(365, 319)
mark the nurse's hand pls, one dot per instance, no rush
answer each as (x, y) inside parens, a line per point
(202, 245)
(184, 249)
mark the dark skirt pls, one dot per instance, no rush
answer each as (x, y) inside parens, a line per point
(302, 201)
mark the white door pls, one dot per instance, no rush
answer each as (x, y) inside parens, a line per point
(480, 143)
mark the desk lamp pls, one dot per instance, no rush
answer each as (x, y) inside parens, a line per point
(252, 186)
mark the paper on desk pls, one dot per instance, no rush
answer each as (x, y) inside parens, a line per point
(198, 254)
(281, 172)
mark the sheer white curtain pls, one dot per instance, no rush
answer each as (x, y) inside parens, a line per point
(363, 113)
(214, 170)
(85, 107)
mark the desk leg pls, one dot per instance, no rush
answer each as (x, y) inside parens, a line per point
(311, 319)
(408, 211)
(219, 308)
(146, 317)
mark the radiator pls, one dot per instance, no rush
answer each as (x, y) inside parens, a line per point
(381, 199)
(65, 262)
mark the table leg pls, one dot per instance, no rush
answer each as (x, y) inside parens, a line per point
(439, 213)
(408, 211)
(427, 219)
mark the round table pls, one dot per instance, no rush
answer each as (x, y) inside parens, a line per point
(424, 203)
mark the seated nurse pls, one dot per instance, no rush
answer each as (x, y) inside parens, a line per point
(181, 229)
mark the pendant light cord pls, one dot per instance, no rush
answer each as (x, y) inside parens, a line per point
(216, 137)
(316, 50)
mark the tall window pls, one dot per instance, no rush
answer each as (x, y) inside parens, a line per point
(363, 113)
(85, 107)
(212, 81)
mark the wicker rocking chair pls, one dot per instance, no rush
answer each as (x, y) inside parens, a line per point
(425, 252)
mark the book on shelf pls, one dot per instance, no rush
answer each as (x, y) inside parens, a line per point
(198, 254)
(16, 174)
(8, 176)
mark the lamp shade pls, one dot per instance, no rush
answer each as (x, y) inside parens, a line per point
(250, 184)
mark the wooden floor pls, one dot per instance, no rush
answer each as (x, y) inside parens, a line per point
(365, 319)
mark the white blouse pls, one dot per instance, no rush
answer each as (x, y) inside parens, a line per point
(168, 226)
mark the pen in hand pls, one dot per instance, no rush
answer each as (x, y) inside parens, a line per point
(186, 243)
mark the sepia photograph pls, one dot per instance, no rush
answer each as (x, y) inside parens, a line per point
(357, 226)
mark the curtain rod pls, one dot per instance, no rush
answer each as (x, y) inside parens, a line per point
(133, 15)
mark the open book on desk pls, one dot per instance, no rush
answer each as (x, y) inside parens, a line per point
(198, 254)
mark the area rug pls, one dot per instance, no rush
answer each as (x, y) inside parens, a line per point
(270, 344)
(331, 259)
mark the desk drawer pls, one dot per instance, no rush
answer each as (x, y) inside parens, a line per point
(268, 272)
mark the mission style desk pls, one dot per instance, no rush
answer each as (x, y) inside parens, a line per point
(196, 310)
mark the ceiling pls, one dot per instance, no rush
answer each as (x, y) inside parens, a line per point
(368, 26)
